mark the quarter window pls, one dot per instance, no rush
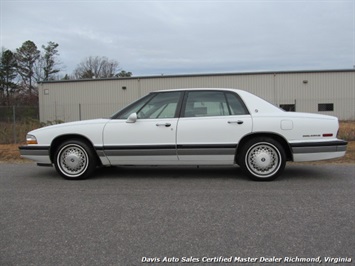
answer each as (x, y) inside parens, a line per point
(236, 104)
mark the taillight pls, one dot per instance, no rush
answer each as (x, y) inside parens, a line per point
(327, 135)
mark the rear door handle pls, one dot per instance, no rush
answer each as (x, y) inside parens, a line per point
(239, 122)
(163, 125)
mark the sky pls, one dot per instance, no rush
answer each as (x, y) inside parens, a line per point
(165, 37)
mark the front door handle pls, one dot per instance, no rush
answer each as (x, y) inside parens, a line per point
(163, 125)
(239, 122)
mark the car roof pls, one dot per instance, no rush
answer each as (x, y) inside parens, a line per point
(204, 89)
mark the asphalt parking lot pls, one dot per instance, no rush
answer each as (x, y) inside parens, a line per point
(176, 216)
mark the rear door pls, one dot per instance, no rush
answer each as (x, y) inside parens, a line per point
(210, 127)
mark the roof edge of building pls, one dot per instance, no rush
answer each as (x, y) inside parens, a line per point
(205, 75)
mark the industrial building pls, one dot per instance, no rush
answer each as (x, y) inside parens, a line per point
(329, 92)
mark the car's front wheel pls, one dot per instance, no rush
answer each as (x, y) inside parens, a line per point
(74, 159)
(262, 159)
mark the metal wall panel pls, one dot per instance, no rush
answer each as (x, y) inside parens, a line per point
(308, 90)
(79, 100)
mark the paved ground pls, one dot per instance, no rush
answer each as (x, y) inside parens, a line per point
(124, 216)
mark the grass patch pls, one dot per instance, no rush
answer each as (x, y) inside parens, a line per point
(10, 133)
(347, 130)
(10, 153)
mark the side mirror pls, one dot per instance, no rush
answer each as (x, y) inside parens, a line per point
(132, 118)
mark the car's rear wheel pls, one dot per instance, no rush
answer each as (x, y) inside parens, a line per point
(75, 159)
(262, 159)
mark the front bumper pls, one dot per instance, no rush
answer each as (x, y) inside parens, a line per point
(39, 154)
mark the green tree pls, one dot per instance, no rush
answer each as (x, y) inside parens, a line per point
(124, 74)
(50, 60)
(8, 73)
(26, 57)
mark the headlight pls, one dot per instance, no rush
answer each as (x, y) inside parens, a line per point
(30, 139)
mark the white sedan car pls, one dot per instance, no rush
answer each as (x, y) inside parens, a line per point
(189, 127)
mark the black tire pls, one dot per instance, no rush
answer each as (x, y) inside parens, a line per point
(262, 159)
(75, 160)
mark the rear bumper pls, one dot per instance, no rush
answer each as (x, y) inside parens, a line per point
(39, 154)
(314, 151)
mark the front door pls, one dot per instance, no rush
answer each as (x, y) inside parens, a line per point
(146, 137)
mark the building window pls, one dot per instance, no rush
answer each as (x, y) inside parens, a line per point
(325, 107)
(288, 107)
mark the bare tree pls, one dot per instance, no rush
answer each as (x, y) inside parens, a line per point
(96, 67)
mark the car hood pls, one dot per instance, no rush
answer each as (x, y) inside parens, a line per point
(90, 129)
(73, 124)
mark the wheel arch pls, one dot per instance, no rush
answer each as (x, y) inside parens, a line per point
(60, 139)
(276, 137)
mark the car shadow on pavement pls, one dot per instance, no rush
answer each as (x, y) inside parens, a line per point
(291, 172)
(186, 172)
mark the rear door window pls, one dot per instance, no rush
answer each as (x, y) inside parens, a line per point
(213, 103)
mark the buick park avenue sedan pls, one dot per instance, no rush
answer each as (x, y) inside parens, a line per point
(189, 127)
